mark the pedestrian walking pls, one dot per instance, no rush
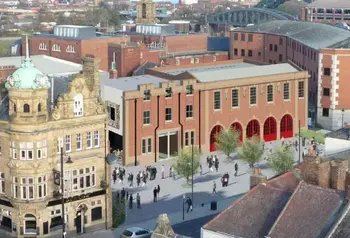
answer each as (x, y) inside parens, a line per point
(144, 181)
(158, 190)
(189, 204)
(123, 193)
(130, 201)
(211, 166)
(214, 188)
(155, 192)
(114, 176)
(217, 164)
(138, 179)
(138, 201)
(208, 160)
(236, 169)
(200, 169)
(163, 172)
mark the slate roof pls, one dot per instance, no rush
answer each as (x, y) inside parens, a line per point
(314, 35)
(254, 214)
(141, 69)
(310, 212)
(343, 228)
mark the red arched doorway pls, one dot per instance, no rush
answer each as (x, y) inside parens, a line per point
(214, 133)
(253, 129)
(237, 127)
(270, 129)
(287, 126)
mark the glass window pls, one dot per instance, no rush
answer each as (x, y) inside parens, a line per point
(168, 115)
(242, 37)
(146, 117)
(88, 140)
(326, 92)
(168, 93)
(96, 138)
(286, 91)
(325, 112)
(301, 89)
(78, 105)
(147, 95)
(327, 71)
(144, 146)
(59, 144)
(68, 143)
(253, 96)
(189, 111)
(189, 89)
(2, 182)
(235, 97)
(149, 145)
(269, 93)
(250, 37)
(78, 140)
(217, 100)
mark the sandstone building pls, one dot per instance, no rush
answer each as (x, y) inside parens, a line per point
(38, 118)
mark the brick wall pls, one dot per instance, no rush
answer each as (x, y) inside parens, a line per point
(185, 43)
(5, 71)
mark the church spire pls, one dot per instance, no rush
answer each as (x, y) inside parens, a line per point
(27, 60)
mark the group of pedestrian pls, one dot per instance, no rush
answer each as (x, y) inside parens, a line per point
(156, 192)
(152, 170)
(118, 173)
(138, 201)
(141, 176)
(212, 161)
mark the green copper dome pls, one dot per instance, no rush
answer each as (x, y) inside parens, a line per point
(27, 76)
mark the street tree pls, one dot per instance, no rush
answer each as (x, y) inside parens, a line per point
(251, 151)
(227, 141)
(113, 17)
(183, 164)
(281, 160)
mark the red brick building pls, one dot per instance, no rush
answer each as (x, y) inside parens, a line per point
(152, 116)
(71, 43)
(320, 49)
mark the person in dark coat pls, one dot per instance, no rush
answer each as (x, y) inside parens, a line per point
(114, 176)
(138, 179)
(189, 204)
(123, 193)
(214, 188)
(158, 190)
(130, 201)
(211, 165)
(155, 191)
(216, 164)
(138, 201)
(131, 180)
(236, 169)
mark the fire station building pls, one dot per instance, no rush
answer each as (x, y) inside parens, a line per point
(153, 116)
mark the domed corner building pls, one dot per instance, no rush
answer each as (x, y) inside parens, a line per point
(49, 126)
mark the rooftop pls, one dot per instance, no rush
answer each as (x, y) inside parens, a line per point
(343, 228)
(330, 4)
(314, 35)
(132, 83)
(45, 64)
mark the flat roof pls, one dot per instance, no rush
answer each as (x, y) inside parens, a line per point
(206, 68)
(314, 35)
(132, 83)
(74, 26)
(46, 64)
(330, 4)
(243, 70)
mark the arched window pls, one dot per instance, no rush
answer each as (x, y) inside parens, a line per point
(14, 107)
(56, 47)
(39, 107)
(144, 10)
(78, 105)
(29, 224)
(26, 108)
(70, 49)
(42, 46)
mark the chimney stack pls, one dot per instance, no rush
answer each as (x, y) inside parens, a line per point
(113, 74)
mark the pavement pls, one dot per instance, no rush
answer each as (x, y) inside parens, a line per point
(172, 191)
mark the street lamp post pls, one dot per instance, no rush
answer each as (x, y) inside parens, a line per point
(192, 174)
(183, 207)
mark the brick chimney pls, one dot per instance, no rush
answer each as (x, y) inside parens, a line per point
(257, 178)
(113, 74)
(338, 174)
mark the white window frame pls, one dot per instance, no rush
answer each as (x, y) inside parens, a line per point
(303, 89)
(68, 143)
(215, 101)
(192, 61)
(147, 118)
(96, 139)
(42, 46)
(41, 148)
(286, 92)
(146, 145)
(89, 140)
(56, 48)
(59, 144)
(189, 138)
(250, 96)
(234, 97)
(196, 60)
(168, 114)
(15, 187)
(26, 186)
(41, 186)
(13, 150)
(177, 61)
(269, 93)
(82, 175)
(79, 144)
(2, 183)
(70, 49)
(78, 105)
(214, 58)
(26, 149)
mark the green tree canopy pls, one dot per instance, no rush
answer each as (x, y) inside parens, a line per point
(183, 164)
(251, 151)
(292, 7)
(227, 141)
(281, 160)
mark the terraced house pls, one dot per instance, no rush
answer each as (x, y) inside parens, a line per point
(40, 121)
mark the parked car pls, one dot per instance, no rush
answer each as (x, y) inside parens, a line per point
(136, 232)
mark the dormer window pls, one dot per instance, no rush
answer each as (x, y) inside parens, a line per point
(56, 48)
(168, 92)
(147, 95)
(78, 105)
(70, 49)
(26, 108)
(42, 46)
(189, 89)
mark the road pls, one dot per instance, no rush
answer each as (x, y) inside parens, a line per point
(192, 228)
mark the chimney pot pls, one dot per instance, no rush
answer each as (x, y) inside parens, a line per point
(113, 74)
